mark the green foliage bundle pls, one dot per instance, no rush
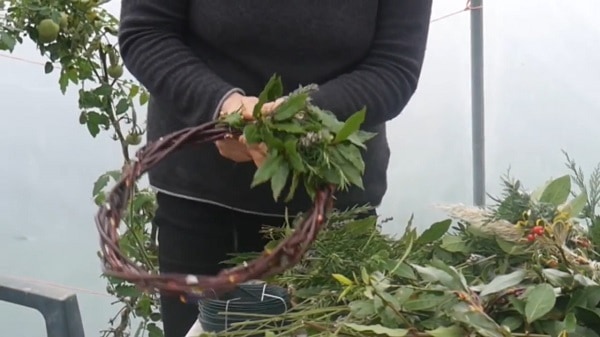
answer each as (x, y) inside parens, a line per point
(306, 144)
(523, 267)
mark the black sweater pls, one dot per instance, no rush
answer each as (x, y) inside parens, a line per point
(191, 54)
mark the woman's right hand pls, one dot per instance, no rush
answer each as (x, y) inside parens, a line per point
(234, 149)
(237, 149)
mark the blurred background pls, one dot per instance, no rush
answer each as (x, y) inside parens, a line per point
(542, 85)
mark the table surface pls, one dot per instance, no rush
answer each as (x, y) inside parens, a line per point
(195, 331)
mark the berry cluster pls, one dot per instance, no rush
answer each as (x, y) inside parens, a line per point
(535, 232)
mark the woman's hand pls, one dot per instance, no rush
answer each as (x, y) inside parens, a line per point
(239, 150)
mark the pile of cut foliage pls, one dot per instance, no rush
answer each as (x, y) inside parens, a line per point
(524, 266)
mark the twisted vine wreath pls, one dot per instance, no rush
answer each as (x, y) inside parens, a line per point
(305, 145)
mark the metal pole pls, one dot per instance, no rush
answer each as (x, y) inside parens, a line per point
(477, 103)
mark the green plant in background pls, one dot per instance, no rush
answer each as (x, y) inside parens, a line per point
(78, 40)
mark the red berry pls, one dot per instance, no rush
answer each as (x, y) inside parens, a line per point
(530, 237)
(537, 230)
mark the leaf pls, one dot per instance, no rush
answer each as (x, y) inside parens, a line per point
(351, 126)
(100, 183)
(293, 186)
(353, 156)
(570, 322)
(288, 127)
(449, 331)
(510, 248)
(252, 134)
(290, 107)
(478, 320)
(48, 67)
(574, 207)
(362, 226)
(7, 41)
(362, 308)
(292, 155)
(454, 244)
(279, 180)
(403, 270)
(272, 90)
(435, 275)
(503, 282)
(425, 301)
(144, 97)
(435, 232)
(267, 169)
(460, 283)
(512, 322)
(540, 300)
(154, 331)
(378, 330)
(557, 192)
(590, 317)
(122, 106)
(558, 278)
(584, 297)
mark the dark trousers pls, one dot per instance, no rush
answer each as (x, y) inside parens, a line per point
(195, 238)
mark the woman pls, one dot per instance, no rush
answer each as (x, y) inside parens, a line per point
(202, 58)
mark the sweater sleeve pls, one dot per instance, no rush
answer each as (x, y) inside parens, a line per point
(387, 78)
(153, 50)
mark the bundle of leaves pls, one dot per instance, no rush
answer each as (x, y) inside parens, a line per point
(524, 266)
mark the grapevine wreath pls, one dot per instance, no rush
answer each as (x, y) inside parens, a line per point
(306, 145)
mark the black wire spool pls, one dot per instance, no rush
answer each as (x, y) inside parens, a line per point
(218, 314)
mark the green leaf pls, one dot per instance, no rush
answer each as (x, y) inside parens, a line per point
(289, 127)
(293, 186)
(48, 67)
(267, 169)
(454, 244)
(425, 301)
(63, 81)
(510, 248)
(478, 320)
(294, 158)
(512, 322)
(100, 183)
(558, 278)
(449, 331)
(279, 179)
(272, 90)
(540, 301)
(351, 126)
(403, 270)
(361, 226)
(570, 322)
(435, 275)
(144, 97)
(503, 282)
(290, 107)
(153, 330)
(557, 191)
(362, 308)
(7, 41)
(353, 156)
(585, 297)
(377, 329)
(122, 106)
(589, 317)
(434, 232)
(576, 205)
(252, 134)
